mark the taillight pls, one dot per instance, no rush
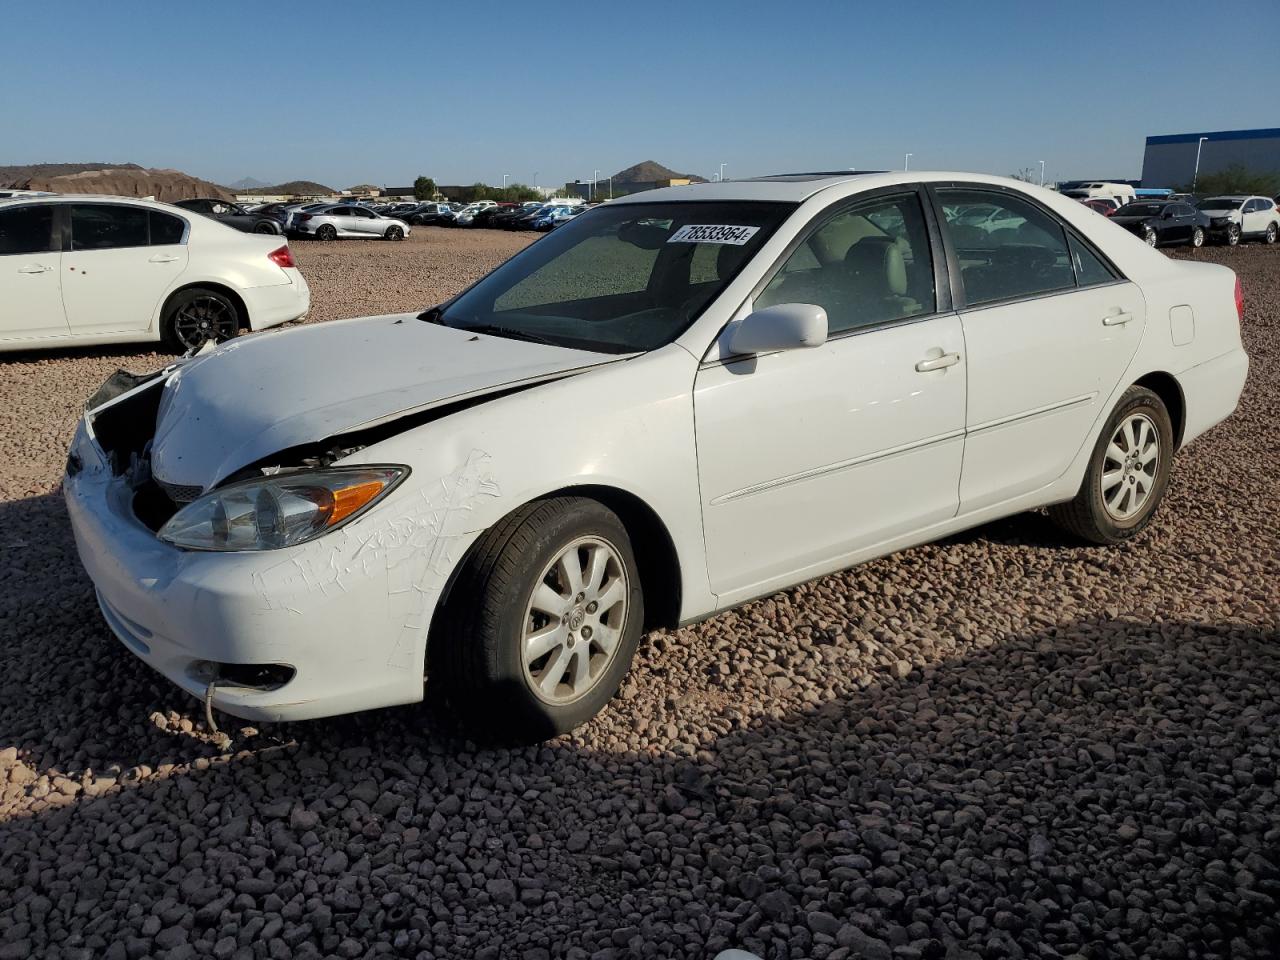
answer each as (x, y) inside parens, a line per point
(304, 216)
(1239, 300)
(282, 257)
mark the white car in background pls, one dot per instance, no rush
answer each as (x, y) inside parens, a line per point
(78, 269)
(1236, 218)
(672, 404)
(347, 221)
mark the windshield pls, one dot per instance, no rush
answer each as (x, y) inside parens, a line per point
(1220, 203)
(1140, 210)
(621, 279)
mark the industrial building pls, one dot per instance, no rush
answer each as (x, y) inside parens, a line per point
(1170, 161)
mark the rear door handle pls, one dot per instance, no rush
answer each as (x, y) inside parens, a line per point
(938, 363)
(35, 268)
(1117, 319)
(162, 258)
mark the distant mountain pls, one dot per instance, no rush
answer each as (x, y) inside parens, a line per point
(648, 171)
(248, 183)
(293, 187)
(122, 180)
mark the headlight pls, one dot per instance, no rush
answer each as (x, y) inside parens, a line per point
(280, 511)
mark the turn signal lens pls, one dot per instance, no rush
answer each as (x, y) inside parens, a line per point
(279, 511)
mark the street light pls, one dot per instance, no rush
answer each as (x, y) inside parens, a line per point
(906, 162)
(1042, 173)
(1196, 176)
(595, 177)
(504, 180)
(722, 166)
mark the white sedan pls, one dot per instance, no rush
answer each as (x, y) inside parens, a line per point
(80, 269)
(672, 404)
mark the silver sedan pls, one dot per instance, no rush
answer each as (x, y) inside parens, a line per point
(347, 220)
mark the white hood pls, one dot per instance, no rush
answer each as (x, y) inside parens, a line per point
(262, 394)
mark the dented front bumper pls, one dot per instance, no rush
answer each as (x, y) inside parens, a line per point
(327, 608)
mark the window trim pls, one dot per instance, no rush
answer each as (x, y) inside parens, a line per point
(959, 297)
(942, 290)
(55, 233)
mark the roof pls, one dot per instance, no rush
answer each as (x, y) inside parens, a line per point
(1266, 133)
(798, 187)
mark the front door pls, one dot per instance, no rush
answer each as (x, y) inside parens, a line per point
(1049, 328)
(808, 456)
(30, 279)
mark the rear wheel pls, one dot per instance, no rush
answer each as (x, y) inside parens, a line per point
(265, 227)
(326, 232)
(542, 623)
(1128, 472)
(196, 316)
(1273, 232)
(1197, 237)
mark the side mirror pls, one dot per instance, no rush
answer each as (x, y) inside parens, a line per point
(785, 326)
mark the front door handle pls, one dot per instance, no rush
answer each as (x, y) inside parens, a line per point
(938, 363)
(162, 258)
(1117, 319)
(35, 268)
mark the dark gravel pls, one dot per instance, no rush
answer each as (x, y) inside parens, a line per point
(1004, 745)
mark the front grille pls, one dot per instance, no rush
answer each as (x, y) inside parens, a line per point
(179, 493)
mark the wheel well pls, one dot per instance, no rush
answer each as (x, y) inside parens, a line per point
(226, 291)
(1167, 389)
(655, 553)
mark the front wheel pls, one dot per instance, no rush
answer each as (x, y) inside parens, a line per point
(1233, 236)
(1197, 237)
(1150, 237)
(1128, 472)
(542, 622)
(394, 233)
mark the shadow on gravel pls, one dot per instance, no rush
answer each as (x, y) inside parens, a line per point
(1104, 788)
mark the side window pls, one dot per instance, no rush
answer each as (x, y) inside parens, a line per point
(165, 229)
(867, 265)
(101, 226)
(1020, 251)
(26, 230)
(1089, 268)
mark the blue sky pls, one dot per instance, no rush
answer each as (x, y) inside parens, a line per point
(379, 92)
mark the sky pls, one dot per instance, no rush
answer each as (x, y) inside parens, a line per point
(546, 92)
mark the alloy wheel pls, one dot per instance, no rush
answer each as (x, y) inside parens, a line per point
(1233, 235)
(1130, 466)
(1197, 237)
(1272, 233)
(1150, 238)
(203, 319)
(574, 621)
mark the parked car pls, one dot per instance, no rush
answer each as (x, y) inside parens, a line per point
(1160, 224)
(555, 217)
(788, 376)
(432, 215)
(232, 214)
(79, 269)
(1236, 218)
(486, 217)
(296, 209)
(1106, 206)
(348, 221)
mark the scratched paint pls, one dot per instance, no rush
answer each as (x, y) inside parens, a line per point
(412, 545)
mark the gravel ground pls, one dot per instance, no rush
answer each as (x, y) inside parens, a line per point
(1004, 745)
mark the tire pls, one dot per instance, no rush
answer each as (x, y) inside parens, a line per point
(1112, 504)
(477, 656)
(194, 316)
(1233, 236)
(393, 233)
(1151, 238)
(265, 227)
(326, 232)
(1273, 232)
(1197, 237)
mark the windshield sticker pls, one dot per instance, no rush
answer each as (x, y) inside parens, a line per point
(713, 233)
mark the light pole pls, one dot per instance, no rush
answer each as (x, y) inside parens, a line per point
(906, 161)
(1196, 176)
(722, 166)
(595, 177)
(1042, 173)
(611, 186)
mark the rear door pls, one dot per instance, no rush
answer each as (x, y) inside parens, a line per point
(1049, 329)
(122, 261)
(30, 273)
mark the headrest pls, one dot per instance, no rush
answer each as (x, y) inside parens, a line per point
(879, 259)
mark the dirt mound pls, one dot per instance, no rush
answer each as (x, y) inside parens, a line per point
(130, 181)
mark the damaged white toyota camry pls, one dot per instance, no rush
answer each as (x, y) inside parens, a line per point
(670, 405)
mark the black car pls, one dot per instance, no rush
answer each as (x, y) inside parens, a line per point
(233, 215)
(1161, 223)
(433, 215)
